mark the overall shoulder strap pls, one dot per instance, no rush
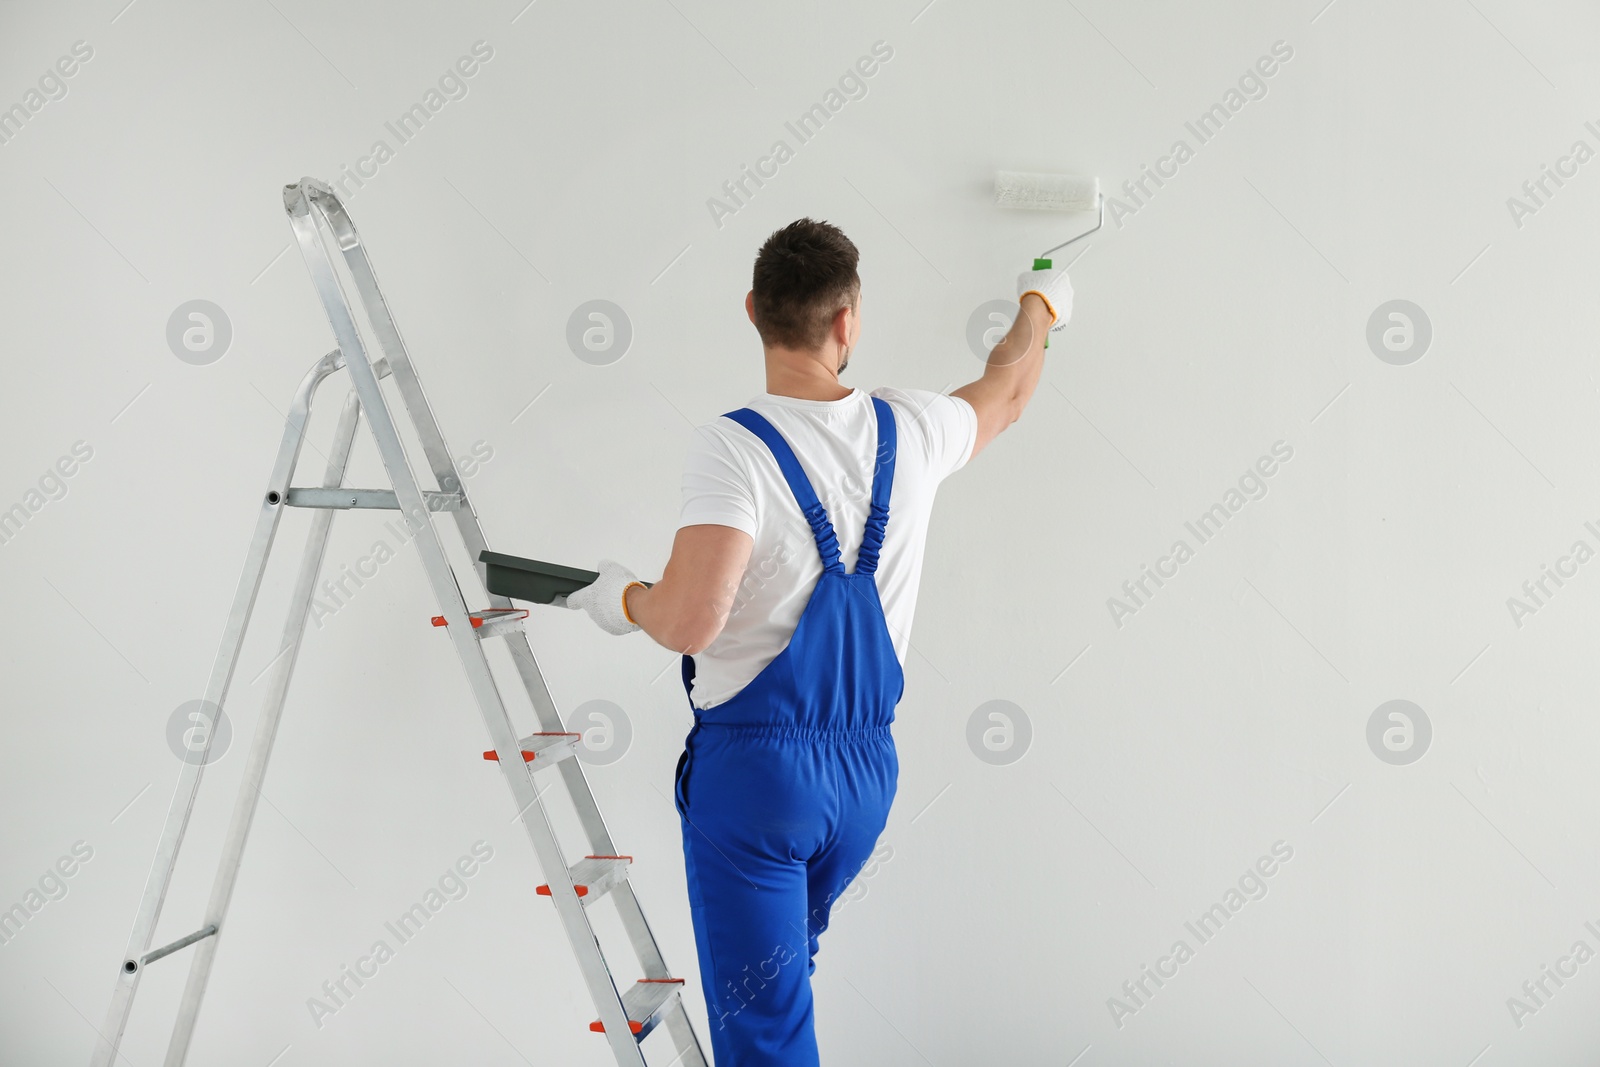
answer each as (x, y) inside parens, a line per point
(799, 484)
(882, 482)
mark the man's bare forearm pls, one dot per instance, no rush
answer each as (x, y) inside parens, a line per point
(679, 623)
(1017, 361)
(1012, 372)
(686, 609)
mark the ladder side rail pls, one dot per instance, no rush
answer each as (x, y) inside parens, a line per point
(409, 383)
(467, 523)
(684, 1038)
(544, 706)
(640, 935)
(634, 922)
(130, 970)
(398, 357)
(637, 927)
(244, 810)
(306, 203)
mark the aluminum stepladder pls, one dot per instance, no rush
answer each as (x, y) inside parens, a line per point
(626, 1018)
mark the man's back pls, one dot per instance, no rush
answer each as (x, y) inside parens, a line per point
(731, 479)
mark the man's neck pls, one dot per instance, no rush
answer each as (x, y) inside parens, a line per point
(803, 375)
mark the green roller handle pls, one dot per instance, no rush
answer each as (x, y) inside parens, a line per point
(1043, 264)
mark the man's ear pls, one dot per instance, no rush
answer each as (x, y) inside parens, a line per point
(750, 306)
(842, 324)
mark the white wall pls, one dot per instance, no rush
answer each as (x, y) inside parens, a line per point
(1168, 753)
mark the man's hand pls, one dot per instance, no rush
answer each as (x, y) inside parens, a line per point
(1054, 287)
(602, 598)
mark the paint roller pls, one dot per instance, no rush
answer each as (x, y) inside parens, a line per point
(1050, 192)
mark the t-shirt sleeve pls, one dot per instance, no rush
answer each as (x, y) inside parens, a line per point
(716, 487)
(945, 426)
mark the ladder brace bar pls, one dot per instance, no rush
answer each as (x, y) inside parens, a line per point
(309, 497)
(167, 950)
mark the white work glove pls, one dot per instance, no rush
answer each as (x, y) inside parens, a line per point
(602, 599)
(1054, 287)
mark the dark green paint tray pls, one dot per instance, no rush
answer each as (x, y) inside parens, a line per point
(532, 579)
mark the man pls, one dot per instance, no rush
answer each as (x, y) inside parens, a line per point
(790, 592)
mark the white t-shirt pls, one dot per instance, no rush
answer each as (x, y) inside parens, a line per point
(731, 479)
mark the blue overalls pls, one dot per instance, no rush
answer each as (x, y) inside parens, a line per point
(783, 789)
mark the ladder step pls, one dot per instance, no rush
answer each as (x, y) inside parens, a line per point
(644, 1004)
(385, 499)
(546, 748)
(592, 876)
(491, 622)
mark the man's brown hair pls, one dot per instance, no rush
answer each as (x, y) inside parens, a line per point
(803, 275)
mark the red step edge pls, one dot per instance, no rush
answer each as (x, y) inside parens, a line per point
(583, 890)
(528, 757)
(599, 1027)
(499, 613)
